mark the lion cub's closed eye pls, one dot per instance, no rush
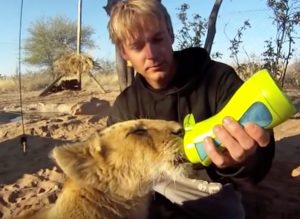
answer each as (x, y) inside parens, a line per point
(140, 130)
(110, 175)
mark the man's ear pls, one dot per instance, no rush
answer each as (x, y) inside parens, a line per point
(122, 53)
(78, 162)
(172, 36)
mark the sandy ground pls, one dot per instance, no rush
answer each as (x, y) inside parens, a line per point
(31, 180)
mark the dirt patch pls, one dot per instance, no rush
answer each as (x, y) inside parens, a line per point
(32, 180)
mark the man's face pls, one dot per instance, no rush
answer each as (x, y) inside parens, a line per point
(151, 54)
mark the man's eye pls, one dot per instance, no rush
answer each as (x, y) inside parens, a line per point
(158, 39)
(136, 47)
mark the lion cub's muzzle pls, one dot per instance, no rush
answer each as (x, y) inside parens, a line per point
(180, 157)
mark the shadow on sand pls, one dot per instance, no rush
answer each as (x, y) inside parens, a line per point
(278, 195)
(14, 163)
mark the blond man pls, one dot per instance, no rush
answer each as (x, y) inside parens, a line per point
(171, 84)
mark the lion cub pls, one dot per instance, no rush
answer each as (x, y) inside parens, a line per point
(110, 175)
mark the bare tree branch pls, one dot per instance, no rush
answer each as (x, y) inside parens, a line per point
(211, 31)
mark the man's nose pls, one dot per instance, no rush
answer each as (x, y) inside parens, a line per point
(150, 50)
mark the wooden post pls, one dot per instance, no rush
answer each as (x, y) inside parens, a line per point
(45, 91)
(97, 82)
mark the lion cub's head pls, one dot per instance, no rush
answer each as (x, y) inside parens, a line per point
(127, 158)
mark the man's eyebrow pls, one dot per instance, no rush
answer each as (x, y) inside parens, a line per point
(136, 41)
(158, 33)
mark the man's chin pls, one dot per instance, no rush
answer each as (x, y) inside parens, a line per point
(158, 74)
(161, 79)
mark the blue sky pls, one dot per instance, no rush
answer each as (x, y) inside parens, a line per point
(231, 16)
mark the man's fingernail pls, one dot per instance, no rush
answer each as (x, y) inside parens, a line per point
(227, 120)
(217, 128)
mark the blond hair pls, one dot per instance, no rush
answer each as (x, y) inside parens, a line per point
(129, 17)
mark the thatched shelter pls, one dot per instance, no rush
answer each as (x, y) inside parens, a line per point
(74, 65)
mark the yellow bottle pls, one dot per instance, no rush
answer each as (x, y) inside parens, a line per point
(259, 100)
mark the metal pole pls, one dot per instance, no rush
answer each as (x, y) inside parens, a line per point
(79, 27)
(79, 37)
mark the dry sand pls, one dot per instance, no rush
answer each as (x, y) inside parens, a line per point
(31, 180)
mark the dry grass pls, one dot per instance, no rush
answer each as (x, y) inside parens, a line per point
(108, 80)
(39, 81)
(29, 82)
(7, 84)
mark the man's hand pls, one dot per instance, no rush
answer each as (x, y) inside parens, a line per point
(240, 142)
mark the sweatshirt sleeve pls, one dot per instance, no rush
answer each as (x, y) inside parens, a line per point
(258, 165)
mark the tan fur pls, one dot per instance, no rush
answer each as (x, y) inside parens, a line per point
(111, 174)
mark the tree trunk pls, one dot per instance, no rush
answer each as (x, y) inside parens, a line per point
(125, 73)
(121, 69)
(211, 31)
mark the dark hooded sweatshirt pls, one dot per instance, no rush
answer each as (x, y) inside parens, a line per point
(202, 87)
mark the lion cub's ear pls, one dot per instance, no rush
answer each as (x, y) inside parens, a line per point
(80, 161)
